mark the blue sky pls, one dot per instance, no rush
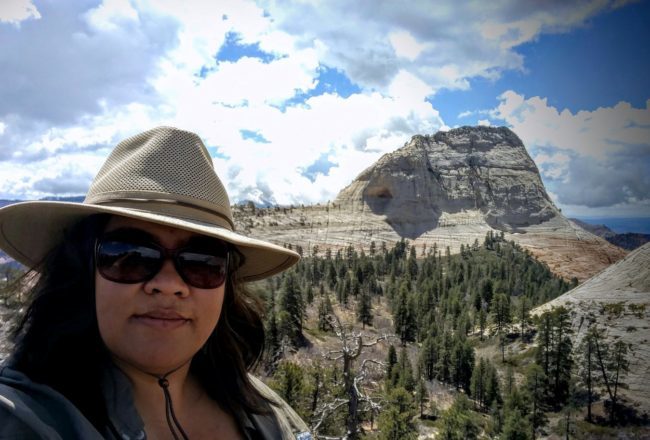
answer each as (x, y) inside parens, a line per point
(294, 99)
(598, 64)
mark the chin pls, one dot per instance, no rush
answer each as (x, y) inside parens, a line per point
(158, 362)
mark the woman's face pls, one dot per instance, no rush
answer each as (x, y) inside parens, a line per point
(156, 325)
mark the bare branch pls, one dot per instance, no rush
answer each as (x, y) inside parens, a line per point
(372, 361)
(326, 410)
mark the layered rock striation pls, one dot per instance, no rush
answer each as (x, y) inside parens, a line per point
(482, 169)
(618, 301)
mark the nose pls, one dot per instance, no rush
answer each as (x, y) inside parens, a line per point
(167, 281)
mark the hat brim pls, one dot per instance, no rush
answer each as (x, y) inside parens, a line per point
(29, 230)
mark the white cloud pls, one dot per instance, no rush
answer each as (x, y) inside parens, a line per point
(597, 158)
(355, 132)
(553, 166)
(15, 11)
(109, 15)
(405, 45)
(484, 122)
(597, 133)
(249, 80)
(408, 87)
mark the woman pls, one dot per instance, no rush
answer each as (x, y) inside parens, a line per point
(139, 325)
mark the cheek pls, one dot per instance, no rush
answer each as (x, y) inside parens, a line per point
(110, 309)
(211, 308)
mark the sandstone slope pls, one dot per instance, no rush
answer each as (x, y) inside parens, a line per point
(618, 300)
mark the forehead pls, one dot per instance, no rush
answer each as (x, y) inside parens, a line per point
(165, 235)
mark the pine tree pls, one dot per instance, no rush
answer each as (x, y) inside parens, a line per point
(477, 385)
(457, 422)
(396, 419)
(516, 427)
(291, 310)
(487, 291)
(412, 263)
(429, 358)
(614, 365)
(562, 364)
(535, 387)
(288, 381)
(544, 346)
(462, 363)
(364, 308)
(421, 396)
(501, 317)
(324, 314)
(391, 361)
(404, 316)
(492, 388)
(315, 388)
(524, 315)
(404, 372)
(272, 334)
(443, 368)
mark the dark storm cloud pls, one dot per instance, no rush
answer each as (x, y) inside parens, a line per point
(599, 184)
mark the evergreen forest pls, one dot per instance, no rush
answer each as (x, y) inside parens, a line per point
(395, 342)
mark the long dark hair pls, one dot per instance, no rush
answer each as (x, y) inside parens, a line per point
(57, 341)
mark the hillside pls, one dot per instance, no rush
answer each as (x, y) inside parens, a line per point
(447, 189)
(442, 314)
(618, 301)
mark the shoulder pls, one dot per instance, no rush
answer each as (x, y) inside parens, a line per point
(291, 424)
(30, 410)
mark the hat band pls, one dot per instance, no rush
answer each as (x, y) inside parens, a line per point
(171, 207)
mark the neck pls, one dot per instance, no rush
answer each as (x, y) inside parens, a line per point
(148, 393)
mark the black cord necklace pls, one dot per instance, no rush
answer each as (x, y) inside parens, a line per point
(170, 415)
(169, 409)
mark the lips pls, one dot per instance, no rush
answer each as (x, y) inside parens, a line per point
(161, 318)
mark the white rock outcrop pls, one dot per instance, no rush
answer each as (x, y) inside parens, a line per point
(483, 169)
(442, 190)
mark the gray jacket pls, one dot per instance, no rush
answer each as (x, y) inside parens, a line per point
(33, 411)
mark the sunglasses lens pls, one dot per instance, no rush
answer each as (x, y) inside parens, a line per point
(202, 270)
(125, 262)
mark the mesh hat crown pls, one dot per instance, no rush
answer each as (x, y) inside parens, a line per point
(165, 176)
(162, 166)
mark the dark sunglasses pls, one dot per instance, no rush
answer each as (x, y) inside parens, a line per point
(128, 261)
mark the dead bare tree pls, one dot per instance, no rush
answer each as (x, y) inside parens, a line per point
(352, 345)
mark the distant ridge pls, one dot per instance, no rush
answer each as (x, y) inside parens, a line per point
(627, 240)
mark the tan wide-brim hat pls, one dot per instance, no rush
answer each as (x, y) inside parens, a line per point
(164, 176)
